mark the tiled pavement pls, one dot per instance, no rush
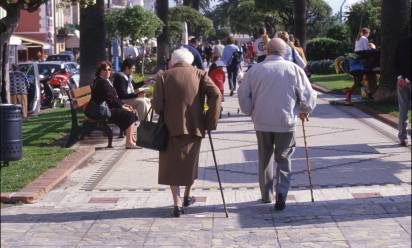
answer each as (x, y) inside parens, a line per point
(362, 194)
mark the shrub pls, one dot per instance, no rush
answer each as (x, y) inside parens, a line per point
(326, 66)
(326, 48)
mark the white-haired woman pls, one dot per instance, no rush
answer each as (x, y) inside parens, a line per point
(179, 94)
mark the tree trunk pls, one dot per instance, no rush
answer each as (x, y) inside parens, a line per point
(162, 11)
(300, 9)
(187, 2)
(92, 41)
(196, 4)
(7, 26)
(394, 17)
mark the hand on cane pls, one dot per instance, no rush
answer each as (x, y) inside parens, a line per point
(303, 116)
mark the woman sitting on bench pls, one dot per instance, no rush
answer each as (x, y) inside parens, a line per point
(122, 114)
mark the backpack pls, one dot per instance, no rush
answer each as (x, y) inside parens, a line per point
(236, 58)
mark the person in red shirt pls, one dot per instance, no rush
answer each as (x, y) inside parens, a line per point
(217, 74)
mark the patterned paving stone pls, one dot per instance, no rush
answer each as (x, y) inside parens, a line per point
(241, 238)
(328, 234)
(180, 239)
(114, 239)
(329, 244)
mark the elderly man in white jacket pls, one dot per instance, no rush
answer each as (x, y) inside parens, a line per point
(275, 93)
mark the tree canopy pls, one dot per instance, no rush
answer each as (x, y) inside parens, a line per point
(134, 22)
(197, 24)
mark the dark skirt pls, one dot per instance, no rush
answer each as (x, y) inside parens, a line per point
(179, 163)
(122, 118)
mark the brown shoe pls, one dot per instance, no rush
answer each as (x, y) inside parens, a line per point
(403, 143)
(231, 93)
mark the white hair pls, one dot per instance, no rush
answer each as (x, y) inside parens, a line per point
(181, 55)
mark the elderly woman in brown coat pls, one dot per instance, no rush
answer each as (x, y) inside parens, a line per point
(181, 100)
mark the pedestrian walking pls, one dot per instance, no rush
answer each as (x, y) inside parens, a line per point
(180, 95)
(291, 53)
(232, 57)
(18, 89)
(218, 48)
(403, 73)
(192, 47)
(260, 45)
(275, 92)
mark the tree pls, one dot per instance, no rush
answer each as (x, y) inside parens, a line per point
(134, 23)
(162, 11)
(196, 23)
(92, 40)
(395, 21)
(300, 8)
(7, 26)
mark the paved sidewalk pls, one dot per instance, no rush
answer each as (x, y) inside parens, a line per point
(362, 193)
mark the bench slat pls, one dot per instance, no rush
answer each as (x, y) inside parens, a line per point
(81, 101)
(85, 90)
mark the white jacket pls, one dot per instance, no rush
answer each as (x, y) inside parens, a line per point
(274, 92)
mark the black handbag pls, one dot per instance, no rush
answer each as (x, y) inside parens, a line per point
(98, 111)
(153, 135)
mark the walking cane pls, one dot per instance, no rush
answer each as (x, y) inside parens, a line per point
(217, 172)
(307, 158)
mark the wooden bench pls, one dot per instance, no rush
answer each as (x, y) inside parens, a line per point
(79, 98)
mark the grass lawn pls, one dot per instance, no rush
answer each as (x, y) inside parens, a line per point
(39, 153)
(337, 82)
(387, 108)
(332, 81)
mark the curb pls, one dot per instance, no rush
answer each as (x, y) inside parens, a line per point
(320, 88)
(385, 118)
(35, 190)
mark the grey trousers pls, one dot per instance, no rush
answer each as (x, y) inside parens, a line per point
(404, 102)
(281, 146)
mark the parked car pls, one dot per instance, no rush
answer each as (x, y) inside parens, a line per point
(61, 57)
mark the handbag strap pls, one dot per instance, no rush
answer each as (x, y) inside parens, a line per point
(151, 108)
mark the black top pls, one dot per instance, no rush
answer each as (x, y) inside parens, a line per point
(403, 58)
(121, 84)
(102, 91)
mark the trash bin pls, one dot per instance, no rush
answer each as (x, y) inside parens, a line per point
(11, 142)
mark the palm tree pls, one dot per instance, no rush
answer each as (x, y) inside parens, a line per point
(92, 40)
(162, 11)
(300, 9)
(395, 18)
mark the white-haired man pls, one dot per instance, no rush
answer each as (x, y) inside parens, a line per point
(274, 92)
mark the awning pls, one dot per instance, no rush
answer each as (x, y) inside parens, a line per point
(33, 43)
(15, 41)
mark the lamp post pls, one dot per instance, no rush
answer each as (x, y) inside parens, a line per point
(340, 11)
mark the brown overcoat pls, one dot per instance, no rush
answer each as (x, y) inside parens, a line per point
(184, 89)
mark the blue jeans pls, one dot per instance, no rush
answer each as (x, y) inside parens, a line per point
(404, 103)
(232, 75)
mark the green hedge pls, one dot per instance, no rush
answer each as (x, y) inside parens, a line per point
(326, 66)
(326, 48)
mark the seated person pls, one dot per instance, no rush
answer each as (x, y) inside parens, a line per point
(125, 88)
(122, 114)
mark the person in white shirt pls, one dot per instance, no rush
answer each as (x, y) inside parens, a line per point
(275, 92)
(362, 40)
(259, 46)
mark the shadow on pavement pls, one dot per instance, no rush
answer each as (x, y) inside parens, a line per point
(339, 165)
(247, 214)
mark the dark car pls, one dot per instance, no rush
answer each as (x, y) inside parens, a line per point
(61, 57)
